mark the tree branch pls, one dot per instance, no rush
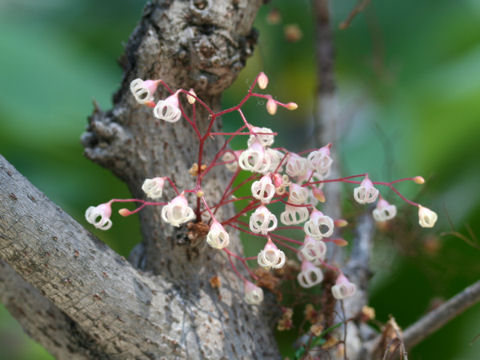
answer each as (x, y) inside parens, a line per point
(438, 317)
(125, 314)
(41, 319)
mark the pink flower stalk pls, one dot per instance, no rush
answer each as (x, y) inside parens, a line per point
(217, 237)
(143, 90)
(366, 193)
(319, 225)
(177, 211)
(313, 250)
(99, 216)
(384, 211)
(343, 288)
(253, 293)
(262, 221)
(168, 109)
(309, 275)
(263, 189)
(153, 188)
(271, 256)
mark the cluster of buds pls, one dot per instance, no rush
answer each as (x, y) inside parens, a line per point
(277, 176)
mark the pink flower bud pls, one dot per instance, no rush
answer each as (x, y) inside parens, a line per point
(271, 106)
(262, 81)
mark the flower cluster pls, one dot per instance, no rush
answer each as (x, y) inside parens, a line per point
(294, 180)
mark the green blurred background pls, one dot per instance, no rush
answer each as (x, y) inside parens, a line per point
(409, 84)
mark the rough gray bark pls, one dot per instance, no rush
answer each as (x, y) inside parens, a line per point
(171, 311)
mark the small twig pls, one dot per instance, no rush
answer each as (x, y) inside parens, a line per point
(356, 10)
(438, 317)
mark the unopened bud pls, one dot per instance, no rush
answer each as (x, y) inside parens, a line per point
(340, 242)
(419, 180)
(292, 106)
(277, 180)
(271, 106)
(124, 212)
(191, 99)
(340, 223)
(200, 193)
(262, 81)
(319, 194)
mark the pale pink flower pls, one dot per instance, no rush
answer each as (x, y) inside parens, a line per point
(263, 189)
(217, 237)
(168, 109)
(313, 250)
(366, 193)
(253, 293)
(309, 275)
(426, 217)
(343, 288)
(262, 221)
(177, 211)
(254, 159)
(99, 216)
(271, 256)
(384, 211)
(143, 90)
(153, 188)
(319, 226)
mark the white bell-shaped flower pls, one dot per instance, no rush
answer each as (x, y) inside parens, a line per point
(320, 161)
(253, 293)
(297, 166)
(319, 226)
(254, 159)
(168, 109)
(294, 215)
(177, 211)
(143, 90)
(426, 217)
(263, 189)
(262, 221)
(153, 188)
(99, 216)
(298, 194)
(217, 237)
(343, 288)
(313, 250)
(265, 136)
(384, 211)
(366, 192)
(230, 159)
(276, 157)
(271, 256)
(309, 275)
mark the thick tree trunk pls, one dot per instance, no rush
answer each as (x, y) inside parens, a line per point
(84, 301)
